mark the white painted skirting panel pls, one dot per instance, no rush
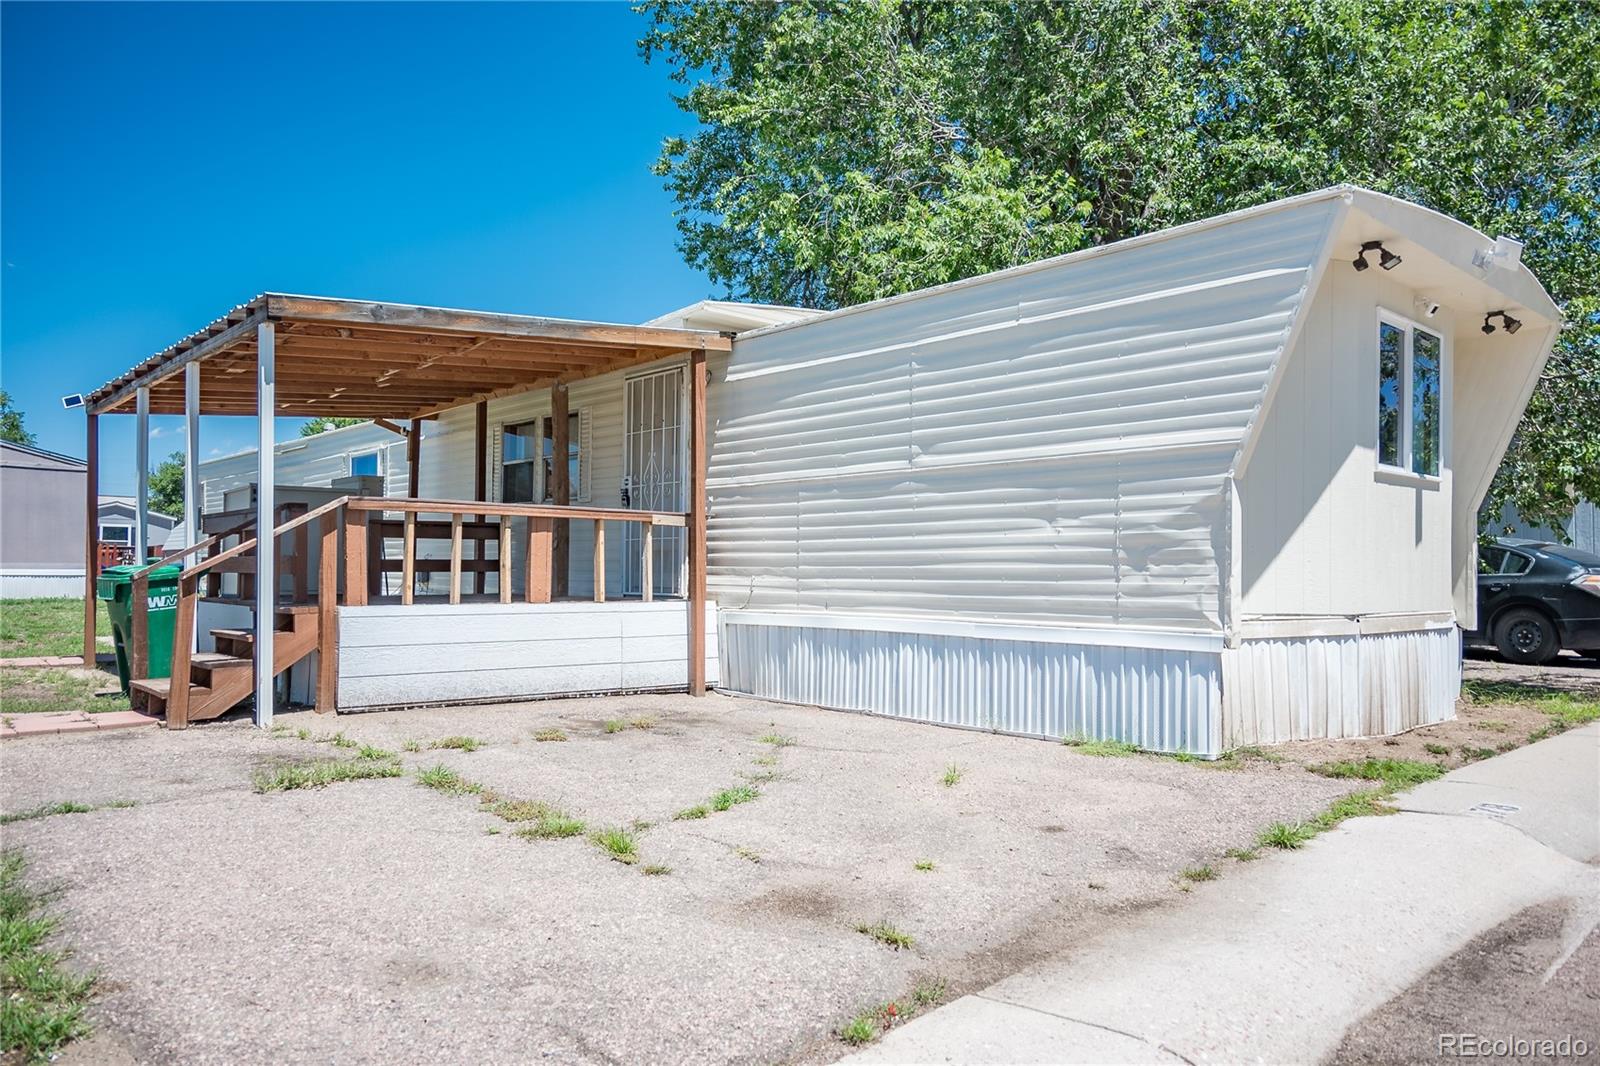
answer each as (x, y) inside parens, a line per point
(1354, 685)
(1161, 699)
(391, 655)
(41, 584)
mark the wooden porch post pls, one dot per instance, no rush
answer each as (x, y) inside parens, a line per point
(697, 522)
(413, 455)
(91, 533)
(561, 487)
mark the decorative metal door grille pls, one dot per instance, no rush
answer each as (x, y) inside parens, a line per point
(655, 462)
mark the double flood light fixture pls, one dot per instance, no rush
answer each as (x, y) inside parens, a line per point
(1511, 324)
(1386, 259)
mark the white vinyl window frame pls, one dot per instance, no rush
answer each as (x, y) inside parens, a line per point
(1406, 457)
(124, 535)
(376, 455)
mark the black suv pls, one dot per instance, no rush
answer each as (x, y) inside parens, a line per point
(1535, 599)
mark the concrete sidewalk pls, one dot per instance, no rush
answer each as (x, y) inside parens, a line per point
(1277, 960)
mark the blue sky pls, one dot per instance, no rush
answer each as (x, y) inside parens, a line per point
(164, 162)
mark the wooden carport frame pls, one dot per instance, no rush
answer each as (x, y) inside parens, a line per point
(283, 355)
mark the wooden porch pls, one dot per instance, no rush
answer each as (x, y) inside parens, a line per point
(398, 365)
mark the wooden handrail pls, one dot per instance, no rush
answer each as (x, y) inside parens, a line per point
(516, 510)
(249, 545)
(201, 546)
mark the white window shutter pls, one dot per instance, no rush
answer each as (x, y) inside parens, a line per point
(585, 446)
(495, 432)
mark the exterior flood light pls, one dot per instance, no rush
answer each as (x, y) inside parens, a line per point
(1386, 259)
(1511, 324)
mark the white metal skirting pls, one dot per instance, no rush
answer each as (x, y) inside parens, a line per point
(41, 584)
(1161, 699)
(1324, 687)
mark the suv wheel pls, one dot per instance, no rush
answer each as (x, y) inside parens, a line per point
(1526, 636)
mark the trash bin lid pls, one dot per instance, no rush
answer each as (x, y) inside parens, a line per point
(123, 572)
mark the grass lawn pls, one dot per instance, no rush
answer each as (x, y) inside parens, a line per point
(54, 689)
(51, 627)
(46, 627)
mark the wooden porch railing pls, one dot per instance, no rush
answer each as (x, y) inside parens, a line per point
(361, 573)
(362, 532)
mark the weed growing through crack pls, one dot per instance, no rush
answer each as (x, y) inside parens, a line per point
(412, 745)
(643, 721)
(689, 814)
(552, 825)
(1285, 835)
(617, 843)
(1395, 773)
(768, 759)
(925, 865)
(45, 811)
(885, 933)
(748, 854)
(1242, 854)
(1114, 749)
(1474, 754)
(861, 1029)
(443, 779)
(952, 776)
(290, 776)
(457, 744)
(614, 725)
(732, 797)
(369, 752)
(302, 734)
(657, 870)
(1436, 749)
(1200, 873)
(545, 736)
(777, 740)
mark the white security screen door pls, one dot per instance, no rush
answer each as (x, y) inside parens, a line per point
(655, 462)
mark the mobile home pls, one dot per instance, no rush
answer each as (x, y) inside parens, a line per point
(1211, 486)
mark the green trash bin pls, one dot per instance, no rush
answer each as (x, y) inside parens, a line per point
(115, 586)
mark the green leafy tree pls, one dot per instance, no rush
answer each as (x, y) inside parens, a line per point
(11, 427)
(166, 485)
(321, 425)
(852, 151)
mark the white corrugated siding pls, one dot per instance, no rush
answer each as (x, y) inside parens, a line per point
(311, 462)
(1329, 687)
(1159, 699)
(1041, 446)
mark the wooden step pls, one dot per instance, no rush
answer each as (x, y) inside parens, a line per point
(210, 661)
(249, 601)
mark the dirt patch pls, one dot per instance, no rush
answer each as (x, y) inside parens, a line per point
(1534, 977)
(1478, 731)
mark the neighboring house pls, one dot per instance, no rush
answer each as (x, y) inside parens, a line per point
(1583, 528)
(41, 522)
(1211, 486)
(314, 462)
(118, 519)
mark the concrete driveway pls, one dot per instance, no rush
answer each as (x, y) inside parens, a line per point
(382, 921)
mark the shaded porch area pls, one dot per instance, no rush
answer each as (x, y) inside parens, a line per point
(363, 598)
